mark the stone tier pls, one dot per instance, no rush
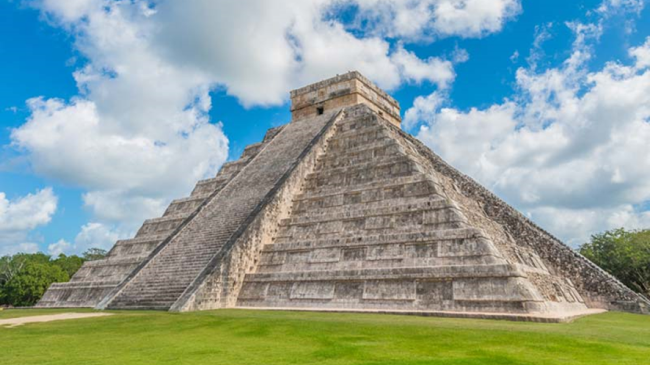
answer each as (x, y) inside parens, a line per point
(208, 186)
(484, 288)
(185, 206)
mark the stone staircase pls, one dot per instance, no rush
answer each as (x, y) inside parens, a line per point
(97, 279)
(371, 230)
(166, 276)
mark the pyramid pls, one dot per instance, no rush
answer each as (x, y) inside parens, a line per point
(340, 210)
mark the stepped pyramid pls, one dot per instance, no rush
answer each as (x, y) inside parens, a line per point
(341, 210)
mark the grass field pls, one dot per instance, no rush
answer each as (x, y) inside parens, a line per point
(259, 337)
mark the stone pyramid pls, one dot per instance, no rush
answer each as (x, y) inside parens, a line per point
(341, 210)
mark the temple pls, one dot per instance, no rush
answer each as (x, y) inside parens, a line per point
(340, 210)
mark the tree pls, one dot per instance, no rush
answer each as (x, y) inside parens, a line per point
(69, 264)
(11, 265)
(624, 254)
(25, 277)
(28, 285)
(93, 254)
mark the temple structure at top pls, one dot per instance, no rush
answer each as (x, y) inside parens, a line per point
(343, 91)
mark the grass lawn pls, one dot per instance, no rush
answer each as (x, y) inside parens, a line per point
(261, 337)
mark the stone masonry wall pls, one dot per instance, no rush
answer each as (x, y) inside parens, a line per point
(343, 91)
(598, 288)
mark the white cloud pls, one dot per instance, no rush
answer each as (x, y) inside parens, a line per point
(424, 108)
(642, 54)
(59, 247)
(576, 225)
(542, 34)
(570, 149)
(126, 173)
(434, 70)
(436, 18)
(92, 235)
(8, 249)
(19, 216)
(138, 133)
(287, 44)
(27, 212)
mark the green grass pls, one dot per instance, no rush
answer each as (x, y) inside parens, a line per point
(259, 337)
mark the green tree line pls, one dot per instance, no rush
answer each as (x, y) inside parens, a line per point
(25, 277)
(624, 254)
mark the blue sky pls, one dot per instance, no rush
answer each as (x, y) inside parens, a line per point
(110, 109)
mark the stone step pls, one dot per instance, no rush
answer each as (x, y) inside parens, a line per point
(434, 214)
(85, 284)
(345, 132)
(351, 228)
(376, 239)
(401, 273)
(160, 286)
(252, 150)
(385, 183)
(209, 186)
(359, 154)
(357, 123)
(271, 133)
(140, 247)
(232, 168)
(374, 257)
(140, 240)
(161, 226)
(389, 195)
(122, 260)
(360, 174)
(368, 209)
(340, 144)
(149, 305)
(351, 164)
(366, 165)
(185, 270)
(185, 205)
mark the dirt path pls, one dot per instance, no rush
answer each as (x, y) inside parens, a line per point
(14, 322)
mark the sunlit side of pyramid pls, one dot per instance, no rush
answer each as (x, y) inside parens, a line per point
(341, 210)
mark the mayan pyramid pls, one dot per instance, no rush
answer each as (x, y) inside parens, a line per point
(341, 210)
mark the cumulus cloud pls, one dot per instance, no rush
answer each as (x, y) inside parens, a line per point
(642, 54)
(92, 235)
(428, 19)
(434, 70)
(19, 216)
(287, 44)
(570, 149)
(129, 174)
(138, 133)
